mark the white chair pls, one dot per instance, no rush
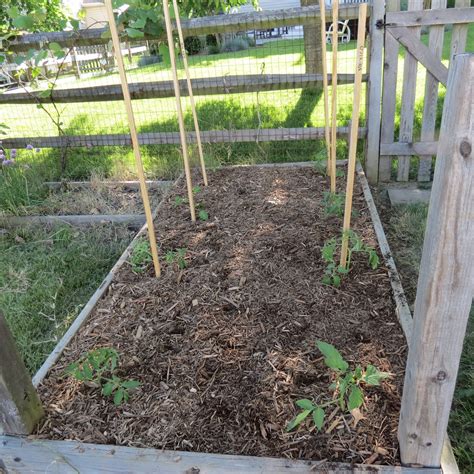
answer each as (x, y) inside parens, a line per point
(343, 32)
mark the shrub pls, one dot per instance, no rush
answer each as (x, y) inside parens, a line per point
(235, 44)
(193, 45)
(211, 40)
(147, 60)
(213, 49)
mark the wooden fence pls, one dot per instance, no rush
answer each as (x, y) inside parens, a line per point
(403, 29)
(207, 86)
(390, 30)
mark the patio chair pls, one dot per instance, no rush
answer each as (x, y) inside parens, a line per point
(343, 32)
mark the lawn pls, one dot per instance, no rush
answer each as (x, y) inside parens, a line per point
(47, 276)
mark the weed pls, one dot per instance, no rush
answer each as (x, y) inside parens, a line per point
(196, 189)
(140, 256)
(333, 273)
(177, 256)
(94, 368)
(347, 387)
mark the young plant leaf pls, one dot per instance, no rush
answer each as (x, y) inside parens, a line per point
(332, 357)
(356, 398)
(119, 396)
(318, 418)
(108, 388)
(130, 384)
(298, 420)
(305, 404)
(374, 376)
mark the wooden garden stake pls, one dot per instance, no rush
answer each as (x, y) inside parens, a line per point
(335, 39)
(354, 131)
(190, 91)
(20, 406)
(446, 279)
(327, 132)
(182, 131)
(134, 136)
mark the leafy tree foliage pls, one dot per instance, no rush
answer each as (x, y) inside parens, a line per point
(32, 15)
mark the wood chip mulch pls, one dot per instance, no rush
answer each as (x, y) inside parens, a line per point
(225, 347)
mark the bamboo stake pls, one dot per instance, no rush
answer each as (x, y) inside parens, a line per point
(182, 131)
(190, 91)
(353, 132)
(327, 132)
(134, 137)
(335, 38)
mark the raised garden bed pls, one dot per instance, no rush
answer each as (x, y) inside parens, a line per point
(224, 347)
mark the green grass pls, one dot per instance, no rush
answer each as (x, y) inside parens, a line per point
(46, 277)
(405, 228)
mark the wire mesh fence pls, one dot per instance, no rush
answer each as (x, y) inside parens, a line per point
(258, 92)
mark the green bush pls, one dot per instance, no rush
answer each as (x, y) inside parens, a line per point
(235, 44)
(193, 45)
(213, 49)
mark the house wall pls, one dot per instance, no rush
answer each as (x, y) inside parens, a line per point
(95, 14)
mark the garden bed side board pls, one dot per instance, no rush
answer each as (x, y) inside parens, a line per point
(29, 455)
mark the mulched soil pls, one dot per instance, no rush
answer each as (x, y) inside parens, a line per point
(224, 347)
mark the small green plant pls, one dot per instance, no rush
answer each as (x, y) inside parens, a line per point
(203, 215)
(334, 203)
(333, 273)
(196, 189)
(178, 256)
(347, 387)
(140, 256)
(98, 367)
(178, 200)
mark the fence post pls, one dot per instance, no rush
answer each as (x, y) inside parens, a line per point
(374, 91)
(446, 280)
(20, 407)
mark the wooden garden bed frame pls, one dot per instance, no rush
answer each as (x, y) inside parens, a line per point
(39, 454)
(434, 335)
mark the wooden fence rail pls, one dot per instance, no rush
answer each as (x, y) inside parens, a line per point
(195, 26)
(172, 138)
(163, 89)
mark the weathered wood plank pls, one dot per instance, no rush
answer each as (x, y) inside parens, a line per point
(437, 16)
(157, 90)
(374, 92)
(194, 26)
(389, 95)
(20, 406)
(408, 97)
(428, 125)
(409, 149)
(128, 185)
(446, 280)
(420, 52)
(459, 33)
(134, 220)
(172, 138)
(402, 307)
(22, 455)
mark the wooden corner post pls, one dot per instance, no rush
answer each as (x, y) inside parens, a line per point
(374, 91)
(20, 406)
(446, 280)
